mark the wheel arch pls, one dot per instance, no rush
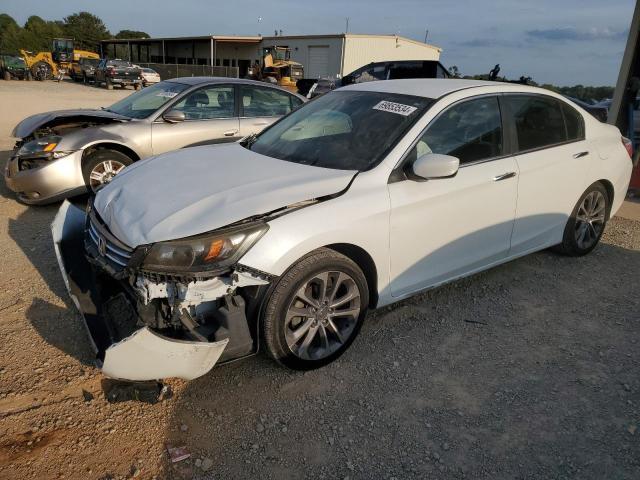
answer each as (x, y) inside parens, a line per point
(118, 147)
(608, 186)
(365, 262)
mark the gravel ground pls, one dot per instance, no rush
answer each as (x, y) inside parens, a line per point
(529, 370)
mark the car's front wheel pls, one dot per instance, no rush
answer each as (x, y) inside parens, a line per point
(101, 166)
(586, 223)
(315, 310)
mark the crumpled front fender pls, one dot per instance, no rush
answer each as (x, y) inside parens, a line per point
(143, 355)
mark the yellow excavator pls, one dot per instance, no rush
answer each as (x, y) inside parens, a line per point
(47, 65)
(278, 68)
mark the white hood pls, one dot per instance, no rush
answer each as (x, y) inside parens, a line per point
(196, 190)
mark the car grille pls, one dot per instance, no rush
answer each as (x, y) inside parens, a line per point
(107, 245)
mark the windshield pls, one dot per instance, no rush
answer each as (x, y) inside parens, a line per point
(15, 62)
(118, 63)
(346, 130)
(145, 102)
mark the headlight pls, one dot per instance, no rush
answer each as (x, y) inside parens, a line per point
(203, 253)
(39, 145)
(38, 152)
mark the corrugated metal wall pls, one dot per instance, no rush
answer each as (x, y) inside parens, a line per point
(360, 51)
(303, 48)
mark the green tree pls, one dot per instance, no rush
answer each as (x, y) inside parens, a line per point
(39, 33)
(131, 34)
(86, 30)
(6, 21)
(10, 35)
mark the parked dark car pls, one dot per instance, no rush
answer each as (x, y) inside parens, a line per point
(390, 70)
(84, 70)
(599, 111)
(117, 72)
(13, 67)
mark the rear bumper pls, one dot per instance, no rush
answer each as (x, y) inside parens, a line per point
(125, 81)
(141, 355)
(58, 179)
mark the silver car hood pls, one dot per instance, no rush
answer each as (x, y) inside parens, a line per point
(27, 126)
(196, 190)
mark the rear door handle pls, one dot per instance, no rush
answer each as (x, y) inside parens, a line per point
(230, 133)
(580, 154)
(504, 176)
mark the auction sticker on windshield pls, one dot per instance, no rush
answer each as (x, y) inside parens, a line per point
(166, 94)
(393, 107)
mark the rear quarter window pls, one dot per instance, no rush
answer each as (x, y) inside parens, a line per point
(574, 123)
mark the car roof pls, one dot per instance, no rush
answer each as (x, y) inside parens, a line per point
(201, 80)
(432, 87)
(193, 81)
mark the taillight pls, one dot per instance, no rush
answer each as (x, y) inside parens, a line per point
(628, 144)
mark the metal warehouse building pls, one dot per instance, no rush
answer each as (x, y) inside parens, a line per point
(321, 55)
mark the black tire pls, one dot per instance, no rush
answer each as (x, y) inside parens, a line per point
(84, 78)
(48, 71)
(283, 295)
(108, 85)
(571, 244)
(96, 158)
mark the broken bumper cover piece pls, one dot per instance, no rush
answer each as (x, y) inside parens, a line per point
(143, 355)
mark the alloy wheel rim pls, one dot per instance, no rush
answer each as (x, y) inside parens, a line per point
(590, 219)
(104, 172)
(322, 315)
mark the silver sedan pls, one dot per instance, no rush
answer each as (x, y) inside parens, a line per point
(61, 154)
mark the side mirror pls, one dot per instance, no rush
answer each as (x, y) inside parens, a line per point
(174, 116)
(435, 165)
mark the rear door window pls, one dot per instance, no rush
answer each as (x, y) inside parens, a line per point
(538, 121)
(265, 102)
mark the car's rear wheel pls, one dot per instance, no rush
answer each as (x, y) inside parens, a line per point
(587, 222)
(101, 166)
(315, 311)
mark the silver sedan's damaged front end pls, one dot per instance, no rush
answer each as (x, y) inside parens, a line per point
(147, 325)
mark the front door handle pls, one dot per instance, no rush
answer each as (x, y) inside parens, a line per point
(230, 133)
(504, 176)
(580, 154)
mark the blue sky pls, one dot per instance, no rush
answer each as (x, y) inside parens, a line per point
(563, 41)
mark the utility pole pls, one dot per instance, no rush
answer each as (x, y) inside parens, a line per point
(426, 35)
(346, 30)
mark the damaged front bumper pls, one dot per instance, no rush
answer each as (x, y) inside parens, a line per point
(207, 322)
(57, 179)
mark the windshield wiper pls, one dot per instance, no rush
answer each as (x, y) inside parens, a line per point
(250, 140)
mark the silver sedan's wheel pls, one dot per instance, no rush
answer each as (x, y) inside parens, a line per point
(103, 173)
(322, 315)
(590, 220)
(100, 166)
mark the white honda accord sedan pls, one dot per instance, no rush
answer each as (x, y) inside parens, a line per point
(365, 196)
